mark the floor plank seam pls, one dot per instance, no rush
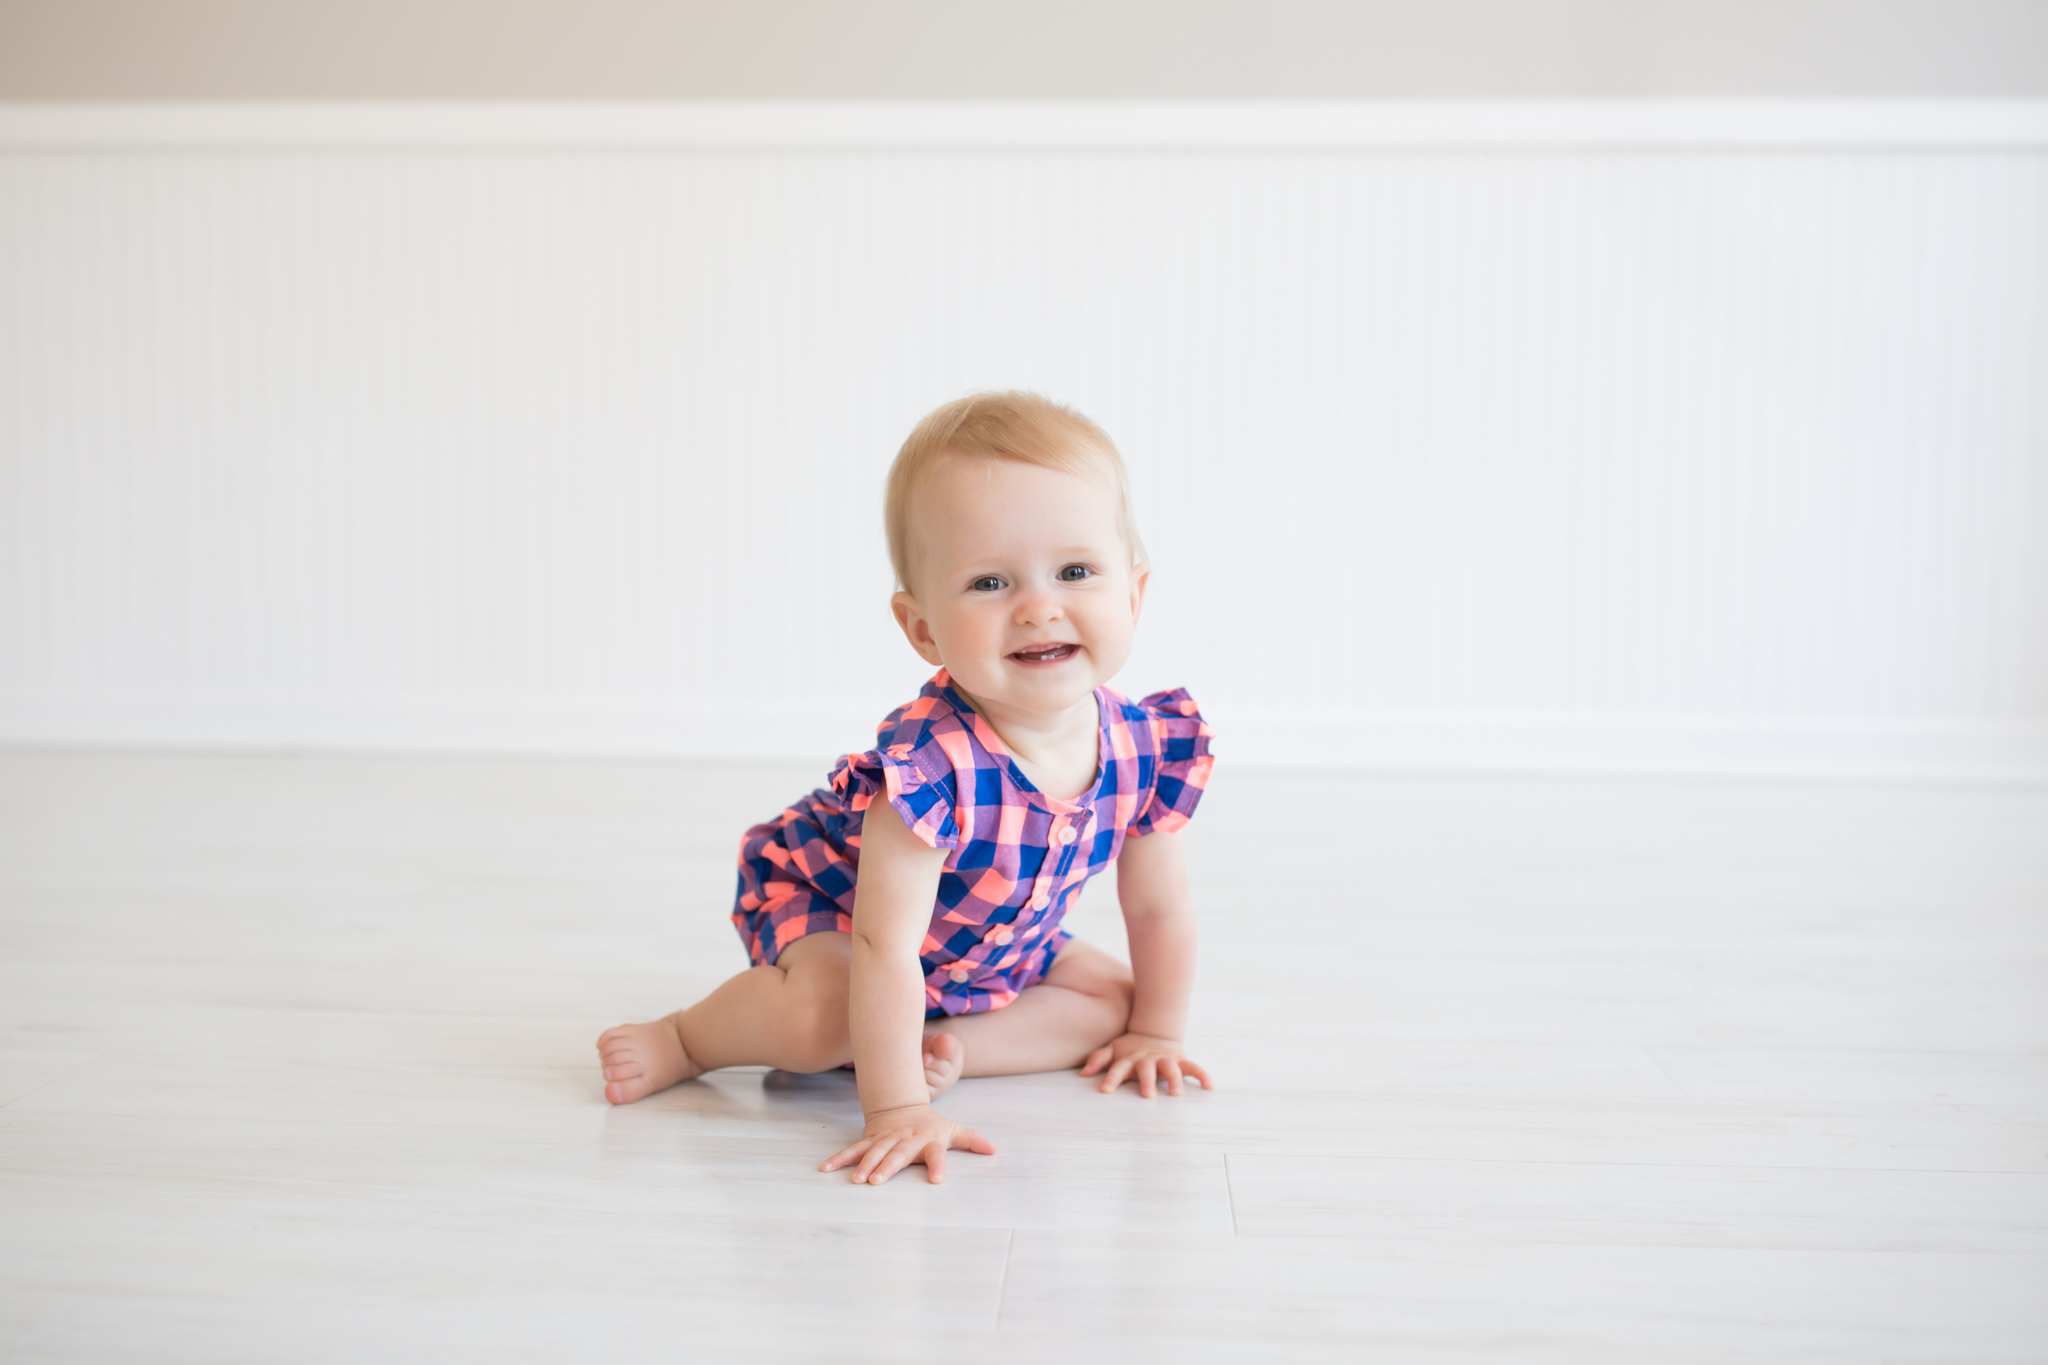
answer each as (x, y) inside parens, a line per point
(1230, 1193)
(1665, 1072)
(44, 1085)
(1003, 1282)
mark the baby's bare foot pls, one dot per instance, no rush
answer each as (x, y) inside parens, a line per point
(944, 1055)
(640, 1059)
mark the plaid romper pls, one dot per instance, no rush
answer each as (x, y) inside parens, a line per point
(1016, 859)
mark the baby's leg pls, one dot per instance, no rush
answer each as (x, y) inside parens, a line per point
(1084, 1002)
(791, 1015)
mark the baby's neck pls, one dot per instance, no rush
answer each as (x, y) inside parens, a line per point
(1057, 751)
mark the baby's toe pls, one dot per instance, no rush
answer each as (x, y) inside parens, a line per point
(944, 1056)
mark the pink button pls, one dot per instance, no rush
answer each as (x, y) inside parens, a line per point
(1066, 834)
(1040, 901)
(957, 974)
(1005, 937)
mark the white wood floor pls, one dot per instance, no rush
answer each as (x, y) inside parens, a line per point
(295, 1064)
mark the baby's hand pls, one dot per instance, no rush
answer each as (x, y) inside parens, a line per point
(895, 1138)
(1147, 1060)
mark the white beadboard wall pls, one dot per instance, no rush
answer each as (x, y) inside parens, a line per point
(1676, 438)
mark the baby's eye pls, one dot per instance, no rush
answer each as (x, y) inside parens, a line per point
(988, 583)
(1074, 573)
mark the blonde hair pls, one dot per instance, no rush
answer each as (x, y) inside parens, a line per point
(1010, 425)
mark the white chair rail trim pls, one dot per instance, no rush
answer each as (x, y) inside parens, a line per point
(1065, 124)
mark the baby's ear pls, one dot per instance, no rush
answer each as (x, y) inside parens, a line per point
(1141, 576)
(915, 628)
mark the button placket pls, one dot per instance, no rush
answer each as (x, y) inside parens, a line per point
(1061, 860)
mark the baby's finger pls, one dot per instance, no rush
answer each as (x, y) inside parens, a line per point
(847, 1156)
(1097, 1060)
(967, 1140)
(935, 1163)
(1192, 1069)
(875, 1157)
(1169, 1072)
(1116, 1075)
(902, 1154)
(1146, 1074)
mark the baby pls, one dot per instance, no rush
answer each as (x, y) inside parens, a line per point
(907, 918)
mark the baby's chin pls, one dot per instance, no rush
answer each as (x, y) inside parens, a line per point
(1033, 686)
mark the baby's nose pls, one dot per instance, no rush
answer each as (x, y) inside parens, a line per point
(1036, 611)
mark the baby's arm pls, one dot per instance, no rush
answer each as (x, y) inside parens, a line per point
(892, 909)
(1152, 884)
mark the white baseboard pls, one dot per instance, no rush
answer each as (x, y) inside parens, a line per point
(1876, 749)
(715, 729)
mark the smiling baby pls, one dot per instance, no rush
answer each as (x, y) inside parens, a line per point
(906, 918)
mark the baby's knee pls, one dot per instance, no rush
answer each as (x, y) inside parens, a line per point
(1113, 992)
(811, 1028)
(819, 1036)
(1121, 995)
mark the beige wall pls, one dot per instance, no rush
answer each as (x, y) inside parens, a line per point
(645, 49)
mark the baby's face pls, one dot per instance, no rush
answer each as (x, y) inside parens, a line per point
(1024, 587)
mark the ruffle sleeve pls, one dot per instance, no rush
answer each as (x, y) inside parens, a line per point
(1181, 739)
(917, 781)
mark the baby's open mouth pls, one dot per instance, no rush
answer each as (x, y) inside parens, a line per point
(1045, 654)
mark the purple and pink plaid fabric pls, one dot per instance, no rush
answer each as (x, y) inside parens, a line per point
(1016, 858)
